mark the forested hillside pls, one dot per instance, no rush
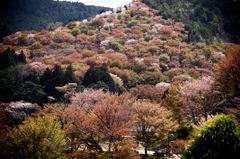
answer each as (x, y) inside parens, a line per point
(19, 15)
(204, 19)
(125, 84)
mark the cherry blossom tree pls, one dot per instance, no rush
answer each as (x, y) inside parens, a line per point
(95, 118)
(88, 98)
(198, 98)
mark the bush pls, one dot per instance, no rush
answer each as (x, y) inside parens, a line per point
(23, 39)
(148, 38)
(218, 138)
(75, 31)
(61, 37)
(36, 45)
(133, 23)
(197, 62)
(164, 58)
(71, 25)
(183, 132)
(115, 45)
(164, 79)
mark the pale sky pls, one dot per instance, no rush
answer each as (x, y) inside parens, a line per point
(105, 3)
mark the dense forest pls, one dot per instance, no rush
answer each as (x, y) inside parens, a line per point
(125, 84)
(204, 19)
(19, 15)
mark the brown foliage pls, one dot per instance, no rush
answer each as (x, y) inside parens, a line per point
(106, 121)
(102, 35)
(166, 30)
(149, 92)
(116, 33)
(178, 146)
(61, 37)
(179, 26)
(228, 77)
(36, 45)
(87, 54)
(129, 77)
(152, 123)
(11, 39)
(99, 22)
(174, 72)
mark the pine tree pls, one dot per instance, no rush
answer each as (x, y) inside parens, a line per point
(69, 76)
(21, 58)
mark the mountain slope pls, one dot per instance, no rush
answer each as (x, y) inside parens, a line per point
(204, 19)
(19, 15)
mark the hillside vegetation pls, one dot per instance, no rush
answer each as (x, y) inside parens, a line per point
(20, 15)
(121, 83)
(205, 20)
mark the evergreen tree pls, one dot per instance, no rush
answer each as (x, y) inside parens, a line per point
(51, 79)
(22, 58)
(69, 76)
(34, 76)
(96, 74)
(10, 81)
(7, 58)
(32, 92)
(58, 76)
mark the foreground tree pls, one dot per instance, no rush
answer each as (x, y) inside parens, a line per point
(104, 120)
(152, 123)
(198, 98)
(113, 119)
(38, 138)
(218, 138)
(228, 76)
(171, 101)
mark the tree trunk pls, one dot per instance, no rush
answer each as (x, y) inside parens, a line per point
(95, 143)
(146, 154)
(109, 147)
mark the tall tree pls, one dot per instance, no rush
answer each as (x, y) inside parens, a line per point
(228, 75)
(69, 76)
(37, 138)
(95, 74)
(151, 123)
(106, 121)
(199, 98)
(22, 58)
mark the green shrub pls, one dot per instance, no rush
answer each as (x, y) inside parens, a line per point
(75, 31)
(218, 138)
(148, 38)
(164, 58)
(183, 132)
(23, 39)
(133, 23)
(197, 62)
(71, 25)
(115, 45)
(175, 58)
(164, 79)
